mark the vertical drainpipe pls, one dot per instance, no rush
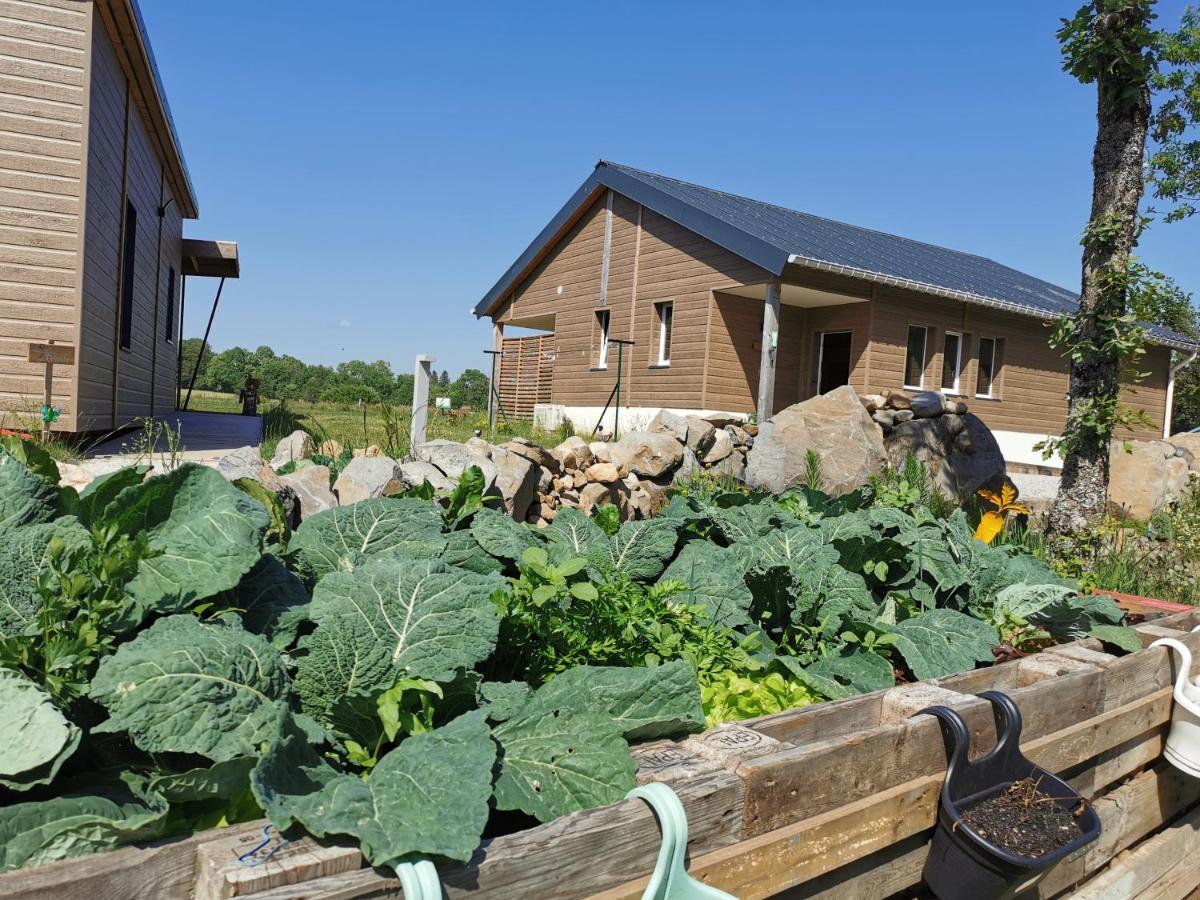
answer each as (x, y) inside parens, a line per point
(1174, 370)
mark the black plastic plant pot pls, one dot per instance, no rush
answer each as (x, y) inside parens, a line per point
(963, 865)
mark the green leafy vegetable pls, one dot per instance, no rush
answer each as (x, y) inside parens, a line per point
(943, 642)
(338, 539)
(35, 737)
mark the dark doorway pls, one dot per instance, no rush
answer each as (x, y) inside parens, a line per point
(833, 367)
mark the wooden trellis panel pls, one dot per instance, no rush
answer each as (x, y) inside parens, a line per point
(526, 372)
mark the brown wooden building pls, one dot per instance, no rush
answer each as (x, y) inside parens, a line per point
(93, 194)
(738, 306)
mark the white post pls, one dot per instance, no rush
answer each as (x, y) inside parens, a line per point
(420, 406)
(1170, 404)
(766, 368)
(497, 365)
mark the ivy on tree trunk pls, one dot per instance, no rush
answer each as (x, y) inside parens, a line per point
(1108, 42)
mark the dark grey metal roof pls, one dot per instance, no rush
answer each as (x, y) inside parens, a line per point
(773, 236)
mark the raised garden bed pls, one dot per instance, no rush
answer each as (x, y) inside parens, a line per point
(834, 800)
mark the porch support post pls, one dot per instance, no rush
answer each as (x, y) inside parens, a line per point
(420, 402)
(770, 339)
(497, 348)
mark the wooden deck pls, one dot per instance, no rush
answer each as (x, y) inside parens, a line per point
(201, 435)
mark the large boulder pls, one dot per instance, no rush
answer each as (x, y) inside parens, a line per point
(1145, 476)
(416, 472)
(667, 422)
(516, 481)
(719, 448)
(646, 453)
(532, 451)
(960, 451)
(451, 457)
(296, 446)
(1190, 443)
(700, 435)
(368, 477)
(241, 463)
(311, 486)
(836, 426)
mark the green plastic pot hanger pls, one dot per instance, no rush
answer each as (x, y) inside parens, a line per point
(670, 880)
(419, 880)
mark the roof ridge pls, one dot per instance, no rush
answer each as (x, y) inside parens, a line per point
(800, 212)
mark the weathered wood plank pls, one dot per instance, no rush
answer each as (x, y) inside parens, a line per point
(163, 871)
(765, 865)
(1162, 866)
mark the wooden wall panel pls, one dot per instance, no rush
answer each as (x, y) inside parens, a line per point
(149, 365)
(651, 260)
(43, 70)
(1149, 394)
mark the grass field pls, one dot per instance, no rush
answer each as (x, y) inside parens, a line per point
(353, 426)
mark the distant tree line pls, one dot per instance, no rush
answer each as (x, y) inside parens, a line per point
(288, 378)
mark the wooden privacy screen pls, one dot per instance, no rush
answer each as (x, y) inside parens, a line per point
(525, 373)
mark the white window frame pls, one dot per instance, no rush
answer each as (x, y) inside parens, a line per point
(924, 358)
(957, 389)
(662, 308)
(991, 393)
(603, 319)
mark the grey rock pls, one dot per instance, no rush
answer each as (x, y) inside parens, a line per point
(532, 451)
(700, 435)
(1143, 479)
(244, 462)
(649, 454)
(688, 467)
(722, 446)
(927, 404)
(873, 401)
(601, 452)
(311, 486)
(884, 417)
(901, 415)
(516, 481)
(666, 422)
(836, 426)
(368, 477)
(720, 420)
(416, 472)
(732, 466)
(573, 453)
(296, 446)
(960, 452)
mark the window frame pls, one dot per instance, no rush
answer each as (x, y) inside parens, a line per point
(957, 389)
(603, 322)
(908, 386)
(125, 301)
(994, 377)
(169, 328)
(665, 317)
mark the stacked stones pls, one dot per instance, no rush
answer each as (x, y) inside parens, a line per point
(896, 407)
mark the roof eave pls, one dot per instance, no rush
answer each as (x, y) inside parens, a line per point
(963, 296)
(767, 256)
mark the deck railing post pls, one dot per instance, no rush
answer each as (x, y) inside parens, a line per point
(420, 406)
(770, 340)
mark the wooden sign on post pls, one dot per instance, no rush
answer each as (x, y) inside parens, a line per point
(50, 354)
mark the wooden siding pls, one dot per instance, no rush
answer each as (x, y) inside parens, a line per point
(123, 165)
(651, 259)
(1030, 391)
(43, 73)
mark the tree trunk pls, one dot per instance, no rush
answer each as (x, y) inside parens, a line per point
(1116, 194)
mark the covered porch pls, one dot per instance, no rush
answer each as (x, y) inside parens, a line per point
(812, 340)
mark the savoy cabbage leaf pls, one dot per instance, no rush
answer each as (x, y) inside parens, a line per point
(187, 686)
(271, 601)
(91, 504)
(99, 817)
(388, 618)
(203, 532)
(35, 737)
(24, 556)
(500, 536)
(838, 677)
(944, 642)
(25, 498)
(429, 795)
(339, 538)
(715, 580)
(573, 534)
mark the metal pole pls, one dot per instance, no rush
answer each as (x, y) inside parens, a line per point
(494, 400)
(617, 390)
(179, 344)
(204, 343)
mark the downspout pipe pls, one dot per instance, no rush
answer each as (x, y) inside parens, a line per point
(1175, 369)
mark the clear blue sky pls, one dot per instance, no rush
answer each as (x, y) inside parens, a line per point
(382, 163)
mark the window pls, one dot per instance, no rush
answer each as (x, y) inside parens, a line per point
(663, 313)
(989, 366)
(914, 363)
(602, 328)
(170, 326)
(128, 248)
(951, 362)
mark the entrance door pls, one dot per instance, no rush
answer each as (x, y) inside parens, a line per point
(833, 366)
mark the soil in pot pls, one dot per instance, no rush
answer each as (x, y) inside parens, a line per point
(1023, 820)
